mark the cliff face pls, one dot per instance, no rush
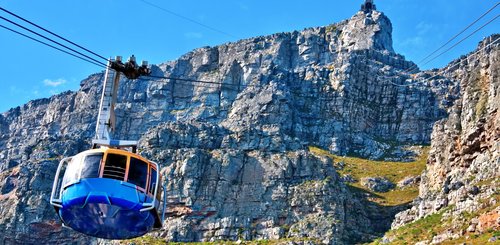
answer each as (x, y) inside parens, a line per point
(464, 163)
(251, 194)
(235, 155)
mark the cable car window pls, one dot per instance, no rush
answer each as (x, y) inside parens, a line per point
(72, 171)
(115, 166)
(152, 183)
(91, 166)
(138, 172)
(160, 192)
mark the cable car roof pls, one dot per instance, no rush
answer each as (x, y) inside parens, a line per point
(115, 151)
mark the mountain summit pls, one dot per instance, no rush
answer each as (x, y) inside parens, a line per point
(368, 29)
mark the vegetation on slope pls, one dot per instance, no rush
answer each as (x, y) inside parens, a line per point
(147, 240)
(446, 224)
(394, 171)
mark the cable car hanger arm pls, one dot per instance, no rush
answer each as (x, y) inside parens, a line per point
(106, 119)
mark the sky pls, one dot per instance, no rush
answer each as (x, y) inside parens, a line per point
(124, 27)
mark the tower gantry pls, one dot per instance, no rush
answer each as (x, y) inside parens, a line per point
(368, 6)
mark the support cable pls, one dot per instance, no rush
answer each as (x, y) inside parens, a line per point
(415, 66)
(188, 80)
(187, 18)
(463, 39)
(52, 46)
(453, 38)
(446, 69)
(51, 40)
(79, 46)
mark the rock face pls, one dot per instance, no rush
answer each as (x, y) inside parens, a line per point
(377, 184)
(235, 154)
(463, 168)
(409, 181)
(238, 193)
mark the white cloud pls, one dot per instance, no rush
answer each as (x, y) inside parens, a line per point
(54, 83)
(414, 42)
(193, 35)
(423, 28)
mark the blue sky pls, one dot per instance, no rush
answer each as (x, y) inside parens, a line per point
(124, 27)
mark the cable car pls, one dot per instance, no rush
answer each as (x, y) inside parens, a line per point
(110, 191)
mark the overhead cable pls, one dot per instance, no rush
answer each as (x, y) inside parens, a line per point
(463, 39)
(198, 84)
(446, 69)
(52, 46)
(51, 40)
(44, 29)
(415, 66)
(202, 82)
(187, 18)
(458, 34)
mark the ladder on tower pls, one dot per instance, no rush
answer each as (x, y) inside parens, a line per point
(106, 117)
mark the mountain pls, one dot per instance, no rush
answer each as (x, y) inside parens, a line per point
(239, 158)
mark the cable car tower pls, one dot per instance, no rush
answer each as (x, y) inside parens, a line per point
(110, 191)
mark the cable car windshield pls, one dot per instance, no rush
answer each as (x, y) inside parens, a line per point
(72, 171)
(82, 166)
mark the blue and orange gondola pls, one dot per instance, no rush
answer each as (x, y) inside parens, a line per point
(110, 191)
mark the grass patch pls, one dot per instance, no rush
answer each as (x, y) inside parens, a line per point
(482, 86)
(432, 225)
(486, 182)
(146, 240)
(394, 171)
(422, 229)
(474, 239)
(481, 105)
(397, 196)
(310, 184)
(331, 28)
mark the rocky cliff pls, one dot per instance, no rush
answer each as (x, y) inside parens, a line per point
(235, 155)
(461, 181)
